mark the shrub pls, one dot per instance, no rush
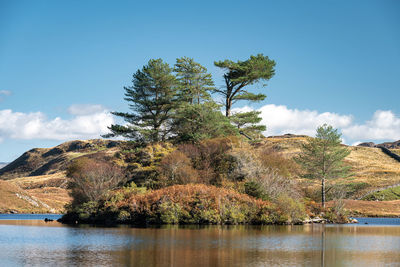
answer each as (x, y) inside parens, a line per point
(293, 211)
(261, 181)
(169, 212)
(91, 179)
(194, 204)
(255, 190)
(176, 168)
(209, 159)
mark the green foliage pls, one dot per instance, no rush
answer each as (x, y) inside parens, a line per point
(292, 210)
(241, 74)
(83, 212)
(194, 83)
(385, 195)
(196, 122)
(123, 216)
(254, 189)
(87, 210)
(248, 123)
(322, 157)
(169, 212)
(336, 215)
(152, 99)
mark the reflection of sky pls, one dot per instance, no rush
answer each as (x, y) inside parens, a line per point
(29, 216)
(35, 245)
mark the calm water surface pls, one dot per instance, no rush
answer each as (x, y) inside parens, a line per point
(32, 242)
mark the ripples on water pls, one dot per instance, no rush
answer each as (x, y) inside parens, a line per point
(36, 243)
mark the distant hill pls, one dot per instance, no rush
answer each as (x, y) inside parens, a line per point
(388, 145)
(36, 182)
(44, 161)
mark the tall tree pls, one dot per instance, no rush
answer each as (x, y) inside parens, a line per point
(152, 100)
(241, 74)
(248, 123)
(193, 81)
(322, 157)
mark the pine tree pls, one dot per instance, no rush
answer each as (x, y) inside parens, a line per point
(195, 122)
(241, 74)
(152, 99)
(322, 157)
(193, 81)
(248, 123)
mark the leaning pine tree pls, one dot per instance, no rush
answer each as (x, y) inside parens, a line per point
(241, 74)
(238, 77)
(152, 100)
(323, 157)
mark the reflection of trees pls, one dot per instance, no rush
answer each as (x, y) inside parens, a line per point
(323, 246)
(221, 246)
(307, 245)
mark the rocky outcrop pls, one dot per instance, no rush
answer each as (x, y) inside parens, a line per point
(387, 145)
(390, 145)
(367, 144)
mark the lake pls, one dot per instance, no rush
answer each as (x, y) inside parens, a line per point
(28, 240)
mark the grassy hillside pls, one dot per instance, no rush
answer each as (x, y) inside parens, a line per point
(13, 198)
(371, 168)
(36, 182)
(43, 161)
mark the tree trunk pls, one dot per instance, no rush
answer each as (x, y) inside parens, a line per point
(228, 106)
(323, 193)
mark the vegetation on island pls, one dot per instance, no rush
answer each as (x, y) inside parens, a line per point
(36, 181)
(188, 163)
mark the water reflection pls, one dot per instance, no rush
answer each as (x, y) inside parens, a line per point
(38, 243)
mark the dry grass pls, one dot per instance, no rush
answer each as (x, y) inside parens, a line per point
(370, 166)
(13, 198)
(52, 180)
(55, 197)
(373, 208)
(45, 190)
(287, 146)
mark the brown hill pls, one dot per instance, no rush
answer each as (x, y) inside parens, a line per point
(43, 161)
(36, 182)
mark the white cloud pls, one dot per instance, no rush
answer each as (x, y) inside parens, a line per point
(5, 92)
(91, 121)
(36, 125)
(384, 125)
(282, 120)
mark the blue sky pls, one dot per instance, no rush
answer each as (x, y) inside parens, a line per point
(63, 64)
